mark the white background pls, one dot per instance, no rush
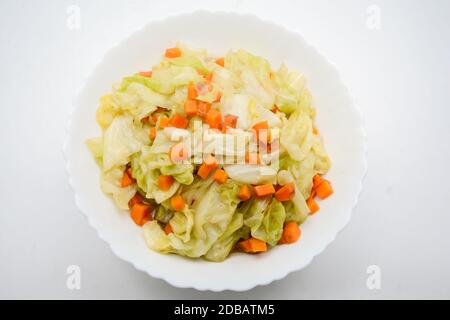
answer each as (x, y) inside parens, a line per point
(399, 76)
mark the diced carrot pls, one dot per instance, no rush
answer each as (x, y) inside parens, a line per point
(203, 108)
(190, 107)
(274, 109)
(225, 128)
(211, 161)
(286, 192)
(129, 171)
(164, 122)
(204, 171)
(209, 77)
(252, 158)
(230, 121)
(152, 134)
(317, 179)
(214, 118)
(324, 189)
(220, 62)
(146, 219)
(264, 190)
(156, 114)
(177, 202)
(220, 176)
(218, 97)
(315, 131)
(244, 245)
(252, 245)
(127, 178)
(244, 193)
(261, 125)
(192, 91)
(179, 121)
(173, 52)
(277, 187)
(165, 182)
(312, 205)
(291, 233)
(168, 229)
(263, 137)
(262, 131)
(202, 73)
(139, 212)
(147, 74)
(178, 153)
(137, 198)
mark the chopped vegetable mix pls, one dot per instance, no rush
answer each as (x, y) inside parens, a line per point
(213, 155)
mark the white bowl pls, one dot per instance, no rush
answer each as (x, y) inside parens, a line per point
(339, 121)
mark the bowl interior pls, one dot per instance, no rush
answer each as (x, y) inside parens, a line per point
(338, 121)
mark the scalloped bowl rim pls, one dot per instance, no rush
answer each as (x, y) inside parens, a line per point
(219, 284)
